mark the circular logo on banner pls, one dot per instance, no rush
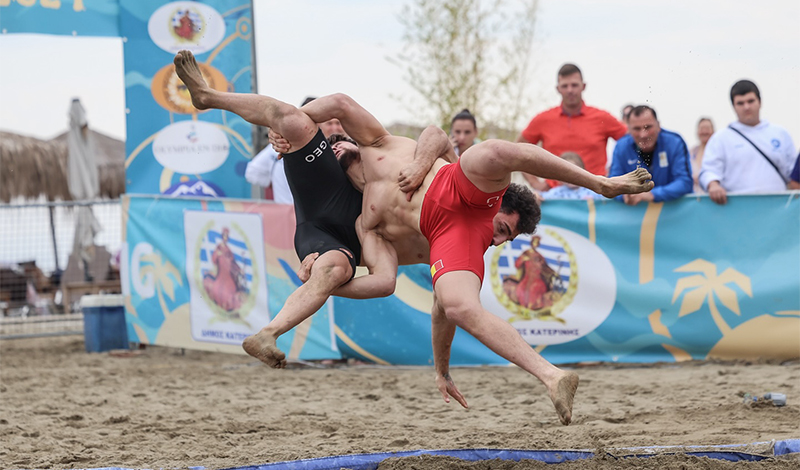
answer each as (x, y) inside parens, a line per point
(191, 147)
(226, 271)
(186, 25)
(171, 94)
(553, 287)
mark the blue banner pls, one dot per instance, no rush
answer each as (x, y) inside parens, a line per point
(173, 148)
(601, 281)
(68, 17)
(204, 274)
(598, 281)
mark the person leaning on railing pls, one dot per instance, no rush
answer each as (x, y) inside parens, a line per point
(663, 153)
(750, 155)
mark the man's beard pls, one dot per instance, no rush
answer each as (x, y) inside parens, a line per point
(348, 157)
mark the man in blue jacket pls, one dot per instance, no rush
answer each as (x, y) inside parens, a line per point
(661, 152)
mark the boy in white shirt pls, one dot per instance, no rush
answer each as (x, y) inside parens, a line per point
(750, 155)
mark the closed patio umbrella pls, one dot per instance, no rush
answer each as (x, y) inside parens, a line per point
(83, 182)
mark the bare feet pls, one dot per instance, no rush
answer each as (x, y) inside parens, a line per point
(563, 394)
(187, 69)
(262, 347)
(635, 182)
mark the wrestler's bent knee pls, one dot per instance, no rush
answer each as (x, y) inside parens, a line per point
(333, 267)
(297, 128)
(457, 310)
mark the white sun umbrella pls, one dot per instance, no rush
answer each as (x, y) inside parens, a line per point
(83, 181)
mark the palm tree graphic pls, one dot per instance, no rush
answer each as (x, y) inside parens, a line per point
(708, 285)
(163, 274)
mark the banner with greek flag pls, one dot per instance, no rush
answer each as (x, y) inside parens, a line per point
(603, 281)
(204, 273)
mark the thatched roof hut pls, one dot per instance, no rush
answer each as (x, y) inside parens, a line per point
(30, 167)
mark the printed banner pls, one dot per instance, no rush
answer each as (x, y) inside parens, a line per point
(598, 281)
(68, 17)
(227, 281)
(602, 281)
(533, 279)
(172, 147)
(203, 273)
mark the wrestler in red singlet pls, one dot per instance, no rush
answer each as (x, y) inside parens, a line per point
(457, 219)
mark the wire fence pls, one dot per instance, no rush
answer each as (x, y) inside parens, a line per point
(41, 280)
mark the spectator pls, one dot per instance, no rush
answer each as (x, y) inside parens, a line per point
(750, 155)
(794, 178)
(573, 126)
(661, 152)
(705, 129)
(266, 169)
(570, 191)
(626, 112)
(463, 131)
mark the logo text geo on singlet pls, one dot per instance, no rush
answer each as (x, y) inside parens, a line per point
(316, 152)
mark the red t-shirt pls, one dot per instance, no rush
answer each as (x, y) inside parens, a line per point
(585, 133)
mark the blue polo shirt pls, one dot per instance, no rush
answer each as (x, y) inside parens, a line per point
(670, 166)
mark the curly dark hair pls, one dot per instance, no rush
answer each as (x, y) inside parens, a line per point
(521, 200)
(338, 138)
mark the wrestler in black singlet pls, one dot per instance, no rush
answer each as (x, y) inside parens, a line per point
(326, 205)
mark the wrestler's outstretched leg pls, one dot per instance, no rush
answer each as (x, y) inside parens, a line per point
(489, 165)
(330, 270)
(294, 125)
(458, 293)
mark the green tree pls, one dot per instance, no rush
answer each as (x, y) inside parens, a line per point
(473, 54)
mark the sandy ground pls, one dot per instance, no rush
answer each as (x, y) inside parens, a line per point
(63, 408)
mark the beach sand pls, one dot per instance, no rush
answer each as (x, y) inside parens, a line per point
(61, 407)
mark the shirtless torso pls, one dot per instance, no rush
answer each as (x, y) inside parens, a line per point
(386, 209)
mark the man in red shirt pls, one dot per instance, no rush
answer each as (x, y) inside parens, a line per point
(573, 127)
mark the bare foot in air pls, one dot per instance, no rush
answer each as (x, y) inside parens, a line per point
(262, 347)
(635, 182)
(563, 394)
(187, 69)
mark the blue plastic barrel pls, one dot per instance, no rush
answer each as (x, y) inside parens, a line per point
(104, 323)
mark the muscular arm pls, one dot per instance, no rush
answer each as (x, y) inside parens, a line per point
(433, 143)
(356, 121)
(380, 258)
(442, 332)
